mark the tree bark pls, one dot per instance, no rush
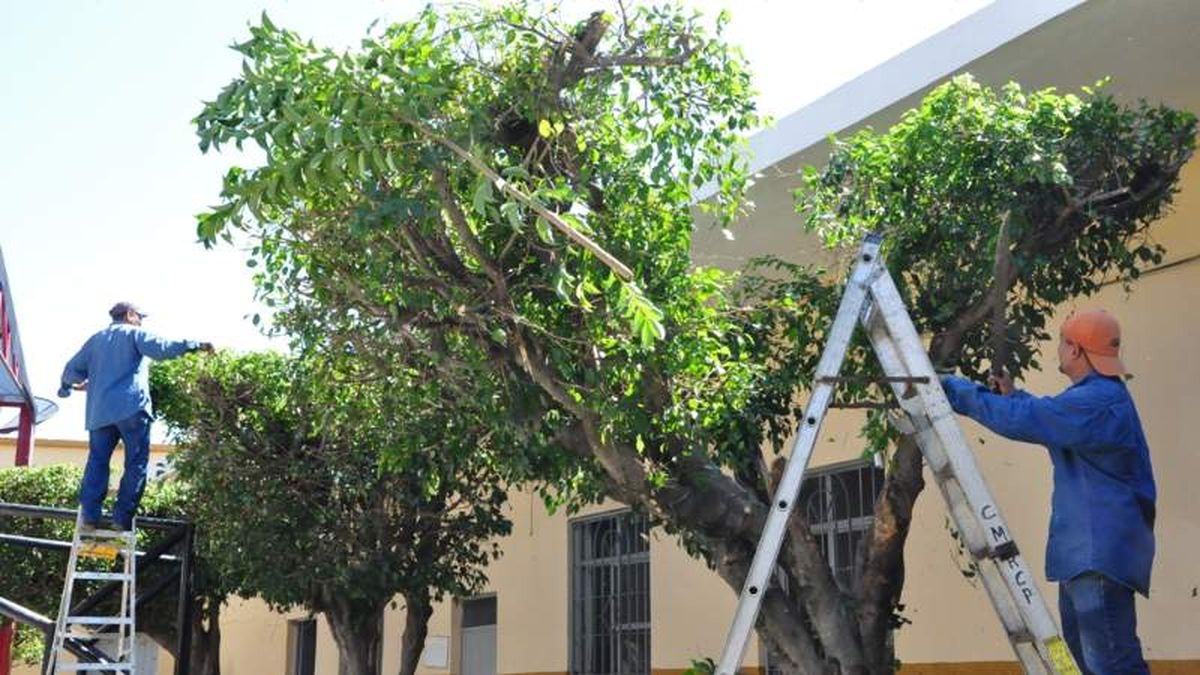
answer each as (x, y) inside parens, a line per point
(882, 577)
(358, 632)
(418, 609)
(205, 656)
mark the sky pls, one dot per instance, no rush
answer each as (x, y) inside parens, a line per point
(101, 176)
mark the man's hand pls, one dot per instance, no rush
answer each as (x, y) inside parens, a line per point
(64, 389)
(1001, 383)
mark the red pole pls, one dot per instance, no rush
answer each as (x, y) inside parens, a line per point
(7, 632)
(5, 334)
(24, 441)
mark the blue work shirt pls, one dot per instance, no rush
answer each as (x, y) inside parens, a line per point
(114, 363)
(1102, 512)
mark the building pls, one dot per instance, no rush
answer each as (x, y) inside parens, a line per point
(549, 609)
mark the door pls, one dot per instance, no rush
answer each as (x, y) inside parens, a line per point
(479, 636)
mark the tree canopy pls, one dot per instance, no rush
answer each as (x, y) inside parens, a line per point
(301, 507)
(1043, 196)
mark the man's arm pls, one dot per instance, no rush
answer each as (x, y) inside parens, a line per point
(159, 349)
(75, 372)
(1060, 421)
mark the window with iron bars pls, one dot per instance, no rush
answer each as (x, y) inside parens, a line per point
(839, 503)
(610, 595)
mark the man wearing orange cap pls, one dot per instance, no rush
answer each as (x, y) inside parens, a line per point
(1101, 544)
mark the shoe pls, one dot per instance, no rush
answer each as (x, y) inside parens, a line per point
(89, 525)
(122, 526)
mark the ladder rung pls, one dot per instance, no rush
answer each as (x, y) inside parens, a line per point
(99, 551)
(123, 535)
(77, 667)
(100, 620)
(1022, 637)
(103, 576)
(943, 471)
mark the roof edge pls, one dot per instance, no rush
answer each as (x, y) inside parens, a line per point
(918, 66)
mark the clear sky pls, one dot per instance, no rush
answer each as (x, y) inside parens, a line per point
(100, 176)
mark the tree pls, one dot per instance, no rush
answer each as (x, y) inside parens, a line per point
(998, 206)
(34, 577)
(301, 512)
(454, 194)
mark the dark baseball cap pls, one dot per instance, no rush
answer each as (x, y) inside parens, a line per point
(120, 309)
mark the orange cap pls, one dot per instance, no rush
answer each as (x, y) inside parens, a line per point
(1099, 335)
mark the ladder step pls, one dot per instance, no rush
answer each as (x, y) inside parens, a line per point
(1022, 637)
(100, 620)
(944, 471)
(80, 667)
(99, 551)
(103, 576)
(123, 535)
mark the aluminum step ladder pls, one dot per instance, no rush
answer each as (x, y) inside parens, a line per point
(872, 300)
(75, 636)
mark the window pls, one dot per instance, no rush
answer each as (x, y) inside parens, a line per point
(302, 647)
(839, 503)
(479, 612)
(610, 592)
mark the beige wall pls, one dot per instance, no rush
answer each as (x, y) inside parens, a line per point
(59, 451)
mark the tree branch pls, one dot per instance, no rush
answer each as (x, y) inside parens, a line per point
(619, 268)
(633, 60)
(822, 598)
(459, 221)
(946, 344)
(1002, 268)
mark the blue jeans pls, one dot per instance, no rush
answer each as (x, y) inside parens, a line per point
(135, 433)
(1100, 625)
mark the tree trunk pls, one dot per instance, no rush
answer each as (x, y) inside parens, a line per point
(882, 577)
(206, 641)
(358, 632)
(205, 655)
(418, 609)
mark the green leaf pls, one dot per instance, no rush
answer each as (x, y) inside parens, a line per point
(544, 231)
(483, 196)
(378, 161)
(545, 129)
(576, 222)
(511, 211)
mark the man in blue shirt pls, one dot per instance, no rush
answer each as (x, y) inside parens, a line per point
(1101, 543)
(113, 367)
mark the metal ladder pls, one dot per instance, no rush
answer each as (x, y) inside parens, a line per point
(872, 300)
(76, 635)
